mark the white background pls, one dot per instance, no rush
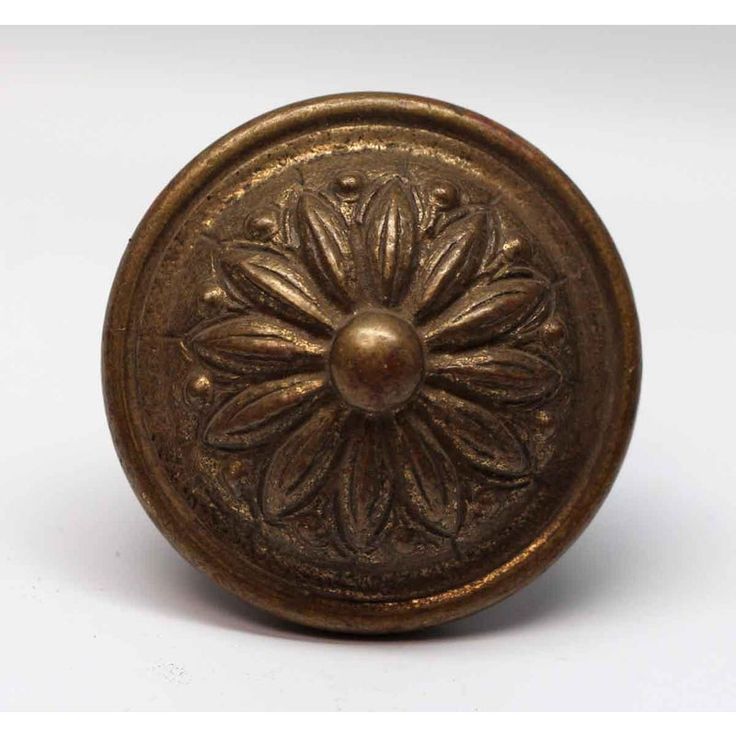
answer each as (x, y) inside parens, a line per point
(97, 612)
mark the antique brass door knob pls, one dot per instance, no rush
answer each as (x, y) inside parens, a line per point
(371, 361)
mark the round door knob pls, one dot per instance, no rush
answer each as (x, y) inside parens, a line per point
(371, 361)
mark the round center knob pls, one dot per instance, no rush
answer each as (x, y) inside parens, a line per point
(376, 361)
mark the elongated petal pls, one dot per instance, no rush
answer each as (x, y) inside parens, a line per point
(257, 344)
(505, 374)
(302, 463)
(364, 490)
(261, 412)
(489, 308)
(453, 259)
(390, 232)
(479, 436)
(323, 233)
(429, 479)
(278, 283)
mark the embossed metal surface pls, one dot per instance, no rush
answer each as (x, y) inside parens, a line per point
(371, 361)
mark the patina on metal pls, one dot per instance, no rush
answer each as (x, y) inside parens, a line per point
(371, 362)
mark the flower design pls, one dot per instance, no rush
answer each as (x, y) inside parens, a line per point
(375, 342)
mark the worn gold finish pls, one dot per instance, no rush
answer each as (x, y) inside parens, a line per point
(376, 361)
(371, 361)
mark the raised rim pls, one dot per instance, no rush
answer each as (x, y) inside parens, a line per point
(187, 535)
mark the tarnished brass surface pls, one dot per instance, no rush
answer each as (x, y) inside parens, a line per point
(371, 362)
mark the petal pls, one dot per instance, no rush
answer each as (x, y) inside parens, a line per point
(301, 464)
(274, 281)
(490, 307)
(256, 343)
(452, 261)
(547, 303)
(364, 489)
(429, 479)
(480, 437)
(262, 411)
(390, 226)
(505, 374)
(323, 233)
